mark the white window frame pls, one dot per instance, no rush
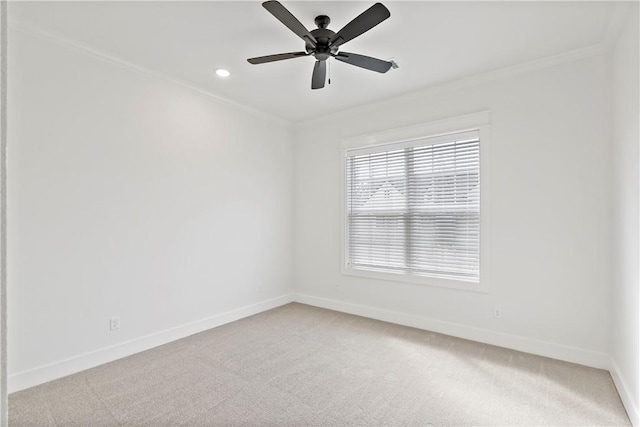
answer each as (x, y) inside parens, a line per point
(471, 122)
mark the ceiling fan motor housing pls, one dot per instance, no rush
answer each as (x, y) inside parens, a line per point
(322, 51)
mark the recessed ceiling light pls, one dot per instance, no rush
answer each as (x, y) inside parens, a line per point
(222, 72)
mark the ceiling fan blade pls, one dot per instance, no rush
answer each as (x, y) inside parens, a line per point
(283, 15)
(362, 23)
(319, 75)
(277, 57)
(362, 61)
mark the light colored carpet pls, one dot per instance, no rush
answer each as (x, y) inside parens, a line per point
(300, 365)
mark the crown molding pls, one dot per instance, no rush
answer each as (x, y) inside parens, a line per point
(471, 81)
(87, 50)
(616, 22)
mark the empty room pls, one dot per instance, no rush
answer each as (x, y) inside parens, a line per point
(320, 213)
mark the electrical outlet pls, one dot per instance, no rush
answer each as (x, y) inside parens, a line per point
(337, 288)
(497, 313)
(114, 323)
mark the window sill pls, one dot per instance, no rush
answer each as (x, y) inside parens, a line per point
(440, 282)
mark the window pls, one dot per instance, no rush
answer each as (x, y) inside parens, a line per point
(413, 209)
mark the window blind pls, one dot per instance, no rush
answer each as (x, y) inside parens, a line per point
(414, 207)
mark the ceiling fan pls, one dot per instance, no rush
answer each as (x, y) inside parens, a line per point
(323, 43)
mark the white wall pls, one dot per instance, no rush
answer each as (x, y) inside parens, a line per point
(3, 216)
(549, 215)
(626, 202)
(134, 197)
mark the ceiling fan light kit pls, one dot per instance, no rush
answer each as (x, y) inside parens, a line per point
(322, 43)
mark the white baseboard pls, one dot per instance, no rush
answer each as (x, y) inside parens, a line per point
(630, 404)
(501, 339)
(72, 365)
(59, 369)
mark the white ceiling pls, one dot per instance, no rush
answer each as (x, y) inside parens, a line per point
(433, 42)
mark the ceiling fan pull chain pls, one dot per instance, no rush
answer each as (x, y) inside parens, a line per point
(329, 63)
